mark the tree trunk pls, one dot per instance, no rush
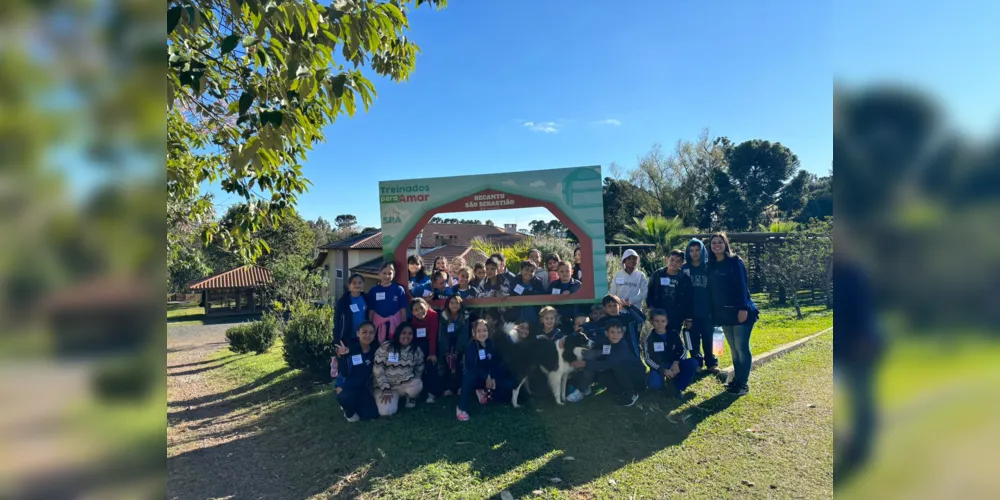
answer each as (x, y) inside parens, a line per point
(795, 302)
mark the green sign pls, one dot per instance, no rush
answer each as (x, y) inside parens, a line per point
(572, 195)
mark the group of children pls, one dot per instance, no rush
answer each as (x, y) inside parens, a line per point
(390, 347)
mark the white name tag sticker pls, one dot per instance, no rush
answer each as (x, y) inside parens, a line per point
(379, 295)
(657, 346)
(519, 289)
(356, 360)
(556, 291)
(665, 281)
(482, 354)
(394, 357)
(620, 280)
(427, 293)
(421, 333)
(355, 308)
(606, 349)
(451, 327)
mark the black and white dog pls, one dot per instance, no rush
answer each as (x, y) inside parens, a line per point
(531, 353)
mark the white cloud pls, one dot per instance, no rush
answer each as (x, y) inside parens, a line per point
(609, 121)
(537, 184)
(546, 127)
(509, 182)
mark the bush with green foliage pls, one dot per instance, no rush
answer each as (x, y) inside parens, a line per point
(551, 244)
(513, 254)
(260, 335)
(308, 339)
(237, 337)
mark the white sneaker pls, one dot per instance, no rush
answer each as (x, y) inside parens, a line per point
(410, 402)
(353, 418)
(586, 392)
(448, 394)
(574, 397)
(430, 399)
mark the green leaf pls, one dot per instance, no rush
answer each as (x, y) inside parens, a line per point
(245, 101)
(229, 43)
(337, 85)
(173, 17)
(250, 41)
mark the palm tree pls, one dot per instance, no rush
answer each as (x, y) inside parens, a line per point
(779, 226)
(656, 230)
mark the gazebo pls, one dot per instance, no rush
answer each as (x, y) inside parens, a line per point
(236, 291)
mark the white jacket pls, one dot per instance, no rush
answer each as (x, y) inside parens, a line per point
(630, 287)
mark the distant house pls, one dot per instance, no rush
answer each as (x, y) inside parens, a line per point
(362, 254)
(236, 291)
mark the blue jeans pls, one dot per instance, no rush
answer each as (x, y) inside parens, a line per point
(655, 380)
(738, 337)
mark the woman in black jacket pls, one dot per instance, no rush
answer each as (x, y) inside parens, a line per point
(354, 381)
(732, 307)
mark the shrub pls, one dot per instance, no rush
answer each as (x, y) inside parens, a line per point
(614, 262)
(550, 244)
(308, 339)
(237, 337)
(513, 254)
(260, 335)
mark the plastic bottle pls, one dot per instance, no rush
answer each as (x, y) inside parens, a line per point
(718, 341)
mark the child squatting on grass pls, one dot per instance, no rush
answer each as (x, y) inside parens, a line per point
(482, 373)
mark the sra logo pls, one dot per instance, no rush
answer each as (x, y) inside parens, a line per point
(392, 219)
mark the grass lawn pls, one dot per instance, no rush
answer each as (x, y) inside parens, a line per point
(285, 437)
(937, 431)
(778, 326)
(185, 315)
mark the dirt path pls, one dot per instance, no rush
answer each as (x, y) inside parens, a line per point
(189, 348)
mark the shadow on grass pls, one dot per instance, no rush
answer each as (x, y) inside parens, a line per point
(303, 446)
(220, 403)
(205, 362)
(214, 320)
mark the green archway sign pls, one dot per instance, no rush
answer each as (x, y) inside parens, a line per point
(572, 195)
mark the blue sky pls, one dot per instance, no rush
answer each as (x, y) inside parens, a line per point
(522, 85)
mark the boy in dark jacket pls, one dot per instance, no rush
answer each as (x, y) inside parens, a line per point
(523, 285)
(565, 285)
(667, 357)
(700, 325)
(354, 380)
(631, 319)
(670, 290)
(616, 365)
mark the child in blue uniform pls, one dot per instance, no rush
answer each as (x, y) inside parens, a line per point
(386, 303)
(667, 356)
(482, 375)
(565, 285)
(418, 276)
(524, 285)
(354, 381)
(616, 365)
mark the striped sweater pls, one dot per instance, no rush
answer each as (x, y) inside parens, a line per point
(386, 374)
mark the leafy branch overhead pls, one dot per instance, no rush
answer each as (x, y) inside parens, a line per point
(251, 84)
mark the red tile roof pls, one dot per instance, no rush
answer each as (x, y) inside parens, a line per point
(240, 277)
